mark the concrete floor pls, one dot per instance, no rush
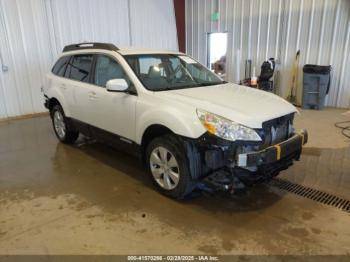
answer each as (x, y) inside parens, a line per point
(90, 199)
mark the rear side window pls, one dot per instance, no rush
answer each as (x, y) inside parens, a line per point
(79, 68)
(60, 66)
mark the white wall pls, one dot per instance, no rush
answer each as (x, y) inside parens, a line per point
(25, 49)
(33, 33)
(153, 25)
(278, 28)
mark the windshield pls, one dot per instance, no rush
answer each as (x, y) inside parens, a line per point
(159, 72)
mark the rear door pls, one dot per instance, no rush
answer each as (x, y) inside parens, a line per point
(78, 75)
(57, 81)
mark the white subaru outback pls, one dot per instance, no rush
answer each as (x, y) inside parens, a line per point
(184, 122)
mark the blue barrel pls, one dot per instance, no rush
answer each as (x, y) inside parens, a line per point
(316, 85)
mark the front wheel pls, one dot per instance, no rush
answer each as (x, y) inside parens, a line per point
(61, 127)
(168, 166)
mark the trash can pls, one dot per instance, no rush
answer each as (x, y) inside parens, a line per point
(315, 85)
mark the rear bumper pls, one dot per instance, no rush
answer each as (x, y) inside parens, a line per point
(46, 103)
(289, 149)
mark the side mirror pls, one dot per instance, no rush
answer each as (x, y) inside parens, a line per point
(117, 85)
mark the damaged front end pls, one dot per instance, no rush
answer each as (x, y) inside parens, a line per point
(227, 165)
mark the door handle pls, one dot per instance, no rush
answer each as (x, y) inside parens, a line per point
(4, 68)
(63, 86)
(92, 95)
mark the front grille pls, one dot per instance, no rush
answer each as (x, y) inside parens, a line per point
(277, 130)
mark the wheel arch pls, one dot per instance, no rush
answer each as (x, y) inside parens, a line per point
(150, 133)
(192, 155)
(55, 96)
(52, 102)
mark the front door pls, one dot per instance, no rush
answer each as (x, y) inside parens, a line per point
(113, 112)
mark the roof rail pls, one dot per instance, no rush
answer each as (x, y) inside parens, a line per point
(92, 45)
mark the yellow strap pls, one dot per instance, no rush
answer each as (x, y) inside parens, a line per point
(278, 151)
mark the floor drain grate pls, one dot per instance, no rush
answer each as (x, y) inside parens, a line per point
(313, 194)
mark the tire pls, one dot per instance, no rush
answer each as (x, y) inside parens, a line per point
(64, 132)
(162, 172)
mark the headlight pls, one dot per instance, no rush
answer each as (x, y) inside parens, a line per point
(225, 128)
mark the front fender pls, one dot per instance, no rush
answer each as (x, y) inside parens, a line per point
(184, 124)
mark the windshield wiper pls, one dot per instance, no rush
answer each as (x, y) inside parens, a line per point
(187, 86)
(176, 87)
(211, 84)
(166, 88)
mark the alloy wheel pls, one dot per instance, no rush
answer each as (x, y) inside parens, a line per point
(59, 124)
(164, 168)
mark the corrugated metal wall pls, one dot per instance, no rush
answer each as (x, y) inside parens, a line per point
(261, 29)
(153, 24)
(33, 33)
(26, 52)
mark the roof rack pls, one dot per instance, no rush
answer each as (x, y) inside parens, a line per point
(92, 45)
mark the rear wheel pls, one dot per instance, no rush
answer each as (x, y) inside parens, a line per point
(168, 166)
(63, 130)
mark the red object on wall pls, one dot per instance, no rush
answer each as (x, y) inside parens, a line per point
(179, 6)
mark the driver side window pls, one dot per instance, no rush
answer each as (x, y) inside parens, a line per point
(106, 69)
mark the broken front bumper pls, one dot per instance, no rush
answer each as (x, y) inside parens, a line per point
(290, 148)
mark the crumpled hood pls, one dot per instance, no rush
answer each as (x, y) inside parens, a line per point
(244, 105)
